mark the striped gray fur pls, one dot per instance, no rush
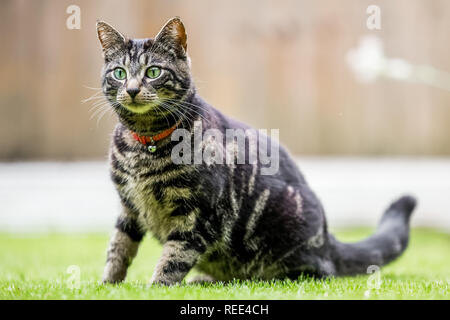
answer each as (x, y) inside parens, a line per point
(227, 220)
(121, 252)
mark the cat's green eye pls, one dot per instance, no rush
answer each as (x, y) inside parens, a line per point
(153, 72)
(120, 73)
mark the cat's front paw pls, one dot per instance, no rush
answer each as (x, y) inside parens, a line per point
(113, 274)
(162, 282)
(202, 279)
(110, 281)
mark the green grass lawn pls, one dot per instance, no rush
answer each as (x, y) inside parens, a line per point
(36, 267)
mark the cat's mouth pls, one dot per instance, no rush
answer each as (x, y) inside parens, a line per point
(139, 108)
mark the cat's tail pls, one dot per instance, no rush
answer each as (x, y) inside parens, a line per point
(387, 243)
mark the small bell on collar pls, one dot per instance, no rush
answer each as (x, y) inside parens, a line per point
(152, 147)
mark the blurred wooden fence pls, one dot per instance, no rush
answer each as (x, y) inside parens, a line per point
(273, 64)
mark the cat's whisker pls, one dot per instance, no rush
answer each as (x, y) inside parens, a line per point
(184, 117)
(96, 113)
(169, 107)
(101, 100)
(161, 112)
(103, 110)
(94, 96)
(94, 106)
(175, 104)
(188, 103)
(189, 120)
(97, 99)
(171, 112)
(180, 115)
(99, 109)
(92, 88)
(102, 115)
(98, 105)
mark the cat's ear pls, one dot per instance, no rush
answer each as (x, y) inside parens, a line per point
(173, 35)
(112, 41)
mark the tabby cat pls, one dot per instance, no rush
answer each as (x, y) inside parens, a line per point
(228, 221)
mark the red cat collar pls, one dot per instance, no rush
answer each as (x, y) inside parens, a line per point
(152, 139)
